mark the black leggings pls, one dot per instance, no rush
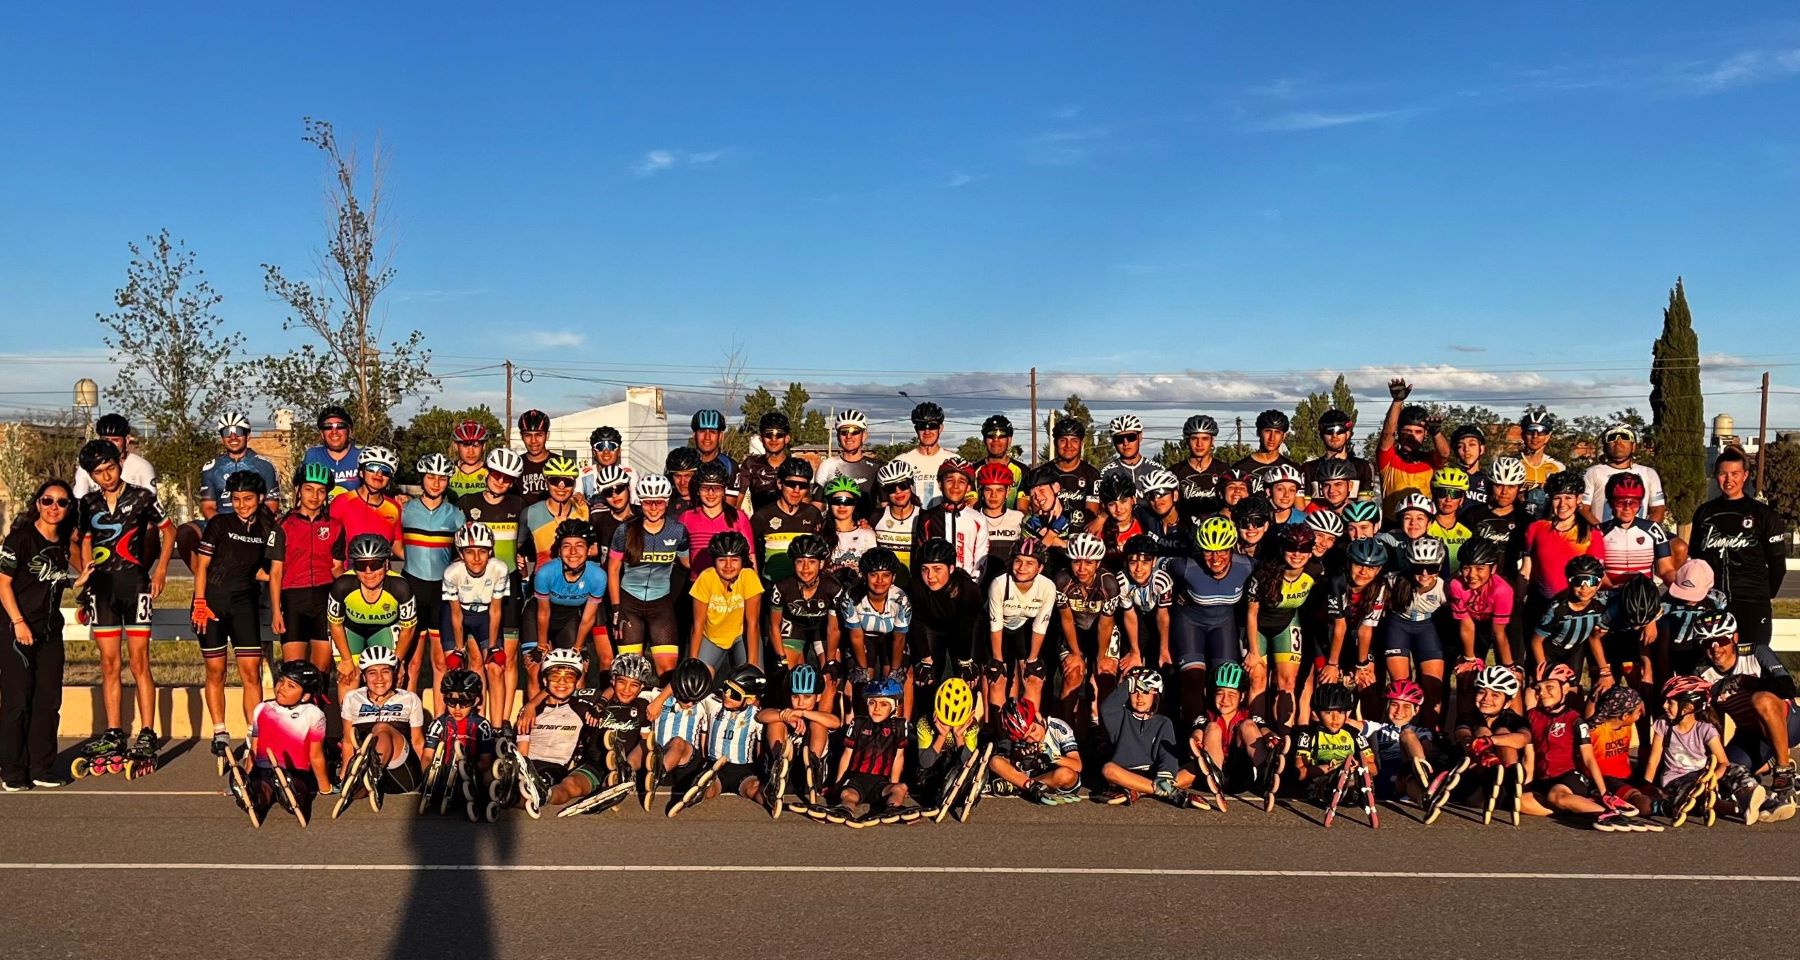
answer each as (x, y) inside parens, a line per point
(30, 707)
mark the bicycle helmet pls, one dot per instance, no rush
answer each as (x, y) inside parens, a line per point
(231, 421)
(1617, 702)
(476, 534)
(1362, 511)
(1326, 522)
(327, 413)
(1125, 423)
(1158, 482)
(1086, 546)
(605, 437)
(1333, 696)
(1199, 423)
(1565, 482)
(606, 478)
(927, 415)
(1030, 548)
(884, 688)
(1688, 689)
(369, 546)
(878, 560)
(803, 681)
(464, 682)
(997, 426)
(994, 475)
(1068, 427)
(316, 473)
(1297, 537)
(579, 530)
(634, 666)
(1216, 533)
(1017, 718)
(1143, 680)
(774, 420)
(843, 490)
(853, 420)
(1280, 473)
(1272, 420)
(1333, 468)
(1506, 472)
(707, 420)
(728, 543)
(434, 465)
(1229, 676)
(936, 550)
(303, 672)
(1480, 551)
(112, 425)
(469, 431)
(711, 474)
(954, 464)
(1046, 475)
(1367, 552)
(1253, 510)
(1498, 679)
(1535, 421)
(1144, 545)
(1624, 486)
(693, 680)
(563, 659)
(1425, 553)
(562, 467)
(377, 656)
(1585, 566)
(1639, 602)
(379, 460)
(795, 468)
(653, 486)
(1619, 431)
(1715, 625)
(1559, 672)
(1415, 501)
(1115, 486)
(809, 546)
(681, 460)
(246, 480)
(955, 703)
(1334, 419)
(1413, 415)
(894, 473)
(1406, 691)
(1454, 478)
(1469, 431)
(534, 421)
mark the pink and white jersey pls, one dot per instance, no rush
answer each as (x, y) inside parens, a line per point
(1633, 548)
(288, 732)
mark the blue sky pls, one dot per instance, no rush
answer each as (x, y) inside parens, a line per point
(935, 199)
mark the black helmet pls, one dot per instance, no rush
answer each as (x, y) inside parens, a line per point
(605, 435)
(708, 419)
(1272, 420)
(809, 546)
(1045, 474)
(574, 528)
(1255, 506)
(1333, 468)
(1469, 430)
(1480, 551)
(927, 414)
(775, 420)
(712, 472)
(796, 467)
(1199, 423)
(1564, 481)
(1333, 418)
(681, 458)
(878, 560)
(533, 420)
(936, 550)
(729, 543)
(1333, 696)
(96, 452)
(302, 672)
(112, 425)
(460, 681)
(747, 681)
(1413, 415)
(1585, 565)
(1141, 545)
(1117, 485)
(693, 680)
(997, 426)
(1068, 427)
(332, 411)
(246, 480)
(1639, 602)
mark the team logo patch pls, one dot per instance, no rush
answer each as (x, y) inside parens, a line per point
(324, 533)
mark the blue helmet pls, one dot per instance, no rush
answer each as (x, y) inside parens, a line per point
(803, 681)
(886, 688)
(1367, 552)
(1362, 511)
(708, 420)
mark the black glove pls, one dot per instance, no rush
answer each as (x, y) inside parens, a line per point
(924, 673)
(1399, 389)
(994, 670)
(1036, 668)
(834, 669)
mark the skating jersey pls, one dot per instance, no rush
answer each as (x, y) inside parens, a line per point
(1424, 603)
(1385, 738)
(1011, 607)
(1557, 739)
(897, 533)
(734, 735)
(401, 708)
(872, 745)
(121, 531)
(1003, 536)
(1215, 599)
(1566, 630)
(1493, 603)
(476, 591)
(804, 619)
(502, 518)
(649, 578)
(775, 530)
(685, 721)
(555, 734)
(860, 613)
(1146, 597)
(1272, 618)
(1633, 548)
(1087, 601)
(1676, 626)
(1321, 746)
(1059, 742)
(472, 731)
(288, 732)
(847, 549)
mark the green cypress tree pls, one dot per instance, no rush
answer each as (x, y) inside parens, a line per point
(1677, 408)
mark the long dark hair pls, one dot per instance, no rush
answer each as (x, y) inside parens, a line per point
(29, 516)
(1271, 572)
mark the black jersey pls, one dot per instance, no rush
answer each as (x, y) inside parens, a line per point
(532, 485)
(806, 618)
(773, 529)
(1075, 488)
(946, 622)
(238, 549)
(124, 534)
(1507, 531)
(1742, 540)
(1198, 484)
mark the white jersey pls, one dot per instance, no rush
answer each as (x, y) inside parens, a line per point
(555, 733)
(1010, 607)
(473, 592)
(134, 469)
(402, 709)
(896, 533)
(967, 531)
(686, 721)
(925, 471)
(584, 482)
(1594, 497)
(850, 546)
(1003, 529)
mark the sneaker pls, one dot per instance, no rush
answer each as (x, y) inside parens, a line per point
(14, 786)
(1111, 796)
(1781, 805)
(1751, 803)
(49, 781)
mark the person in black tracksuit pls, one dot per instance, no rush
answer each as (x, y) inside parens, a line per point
(34, 570)
(1741, 538)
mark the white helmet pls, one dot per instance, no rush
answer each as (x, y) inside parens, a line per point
(1425, 552)
(561, 658)
(505, 462)
(476, 534)
(610, 477)
(854, 419)
(377, 657)
(1507, 471)
(1086, 546)
(1326, 521)
(231, 421)
(653, 486)
(434, 465)
(378, 458)
(1280, 473)
(1498, 678)
(1158, 481)
(894, 471)
(1125, 423)
(1415, 501)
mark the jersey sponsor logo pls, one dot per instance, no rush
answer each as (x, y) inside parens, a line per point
(659, 556)
(1737, 541)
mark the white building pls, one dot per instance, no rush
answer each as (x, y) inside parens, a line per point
(640, 418)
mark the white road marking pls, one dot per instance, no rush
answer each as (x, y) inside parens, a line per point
(114, 793)
(838, 868)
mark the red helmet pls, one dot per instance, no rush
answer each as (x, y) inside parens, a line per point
(469, 431)
(994, 475)
(1406, 690)
(1298, 537)
(1018, 717)
(1559, 672)
(1686, 688)
(955, 465)
(1624, 486)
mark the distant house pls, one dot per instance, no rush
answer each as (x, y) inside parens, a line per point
(640, 418)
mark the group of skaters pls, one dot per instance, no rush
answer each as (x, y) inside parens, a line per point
(866, 643)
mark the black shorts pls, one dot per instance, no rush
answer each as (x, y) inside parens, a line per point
(731, 776)
(1575, 780)
(404, 778)
(868, 786)
(428, 597)
(646, 623)
(119, 598)
(239, 625)
(304, 610)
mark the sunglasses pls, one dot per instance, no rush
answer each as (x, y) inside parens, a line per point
(1334, 431)
(1127, 438)
(887, 487)
(560, 482)
(614, 491)
(795, 484)
(458, 702)
(367, 566)
(54, 502)
(1448, 493)
(335, 426)
(1534, 431)
(1248, 524)
(848, 431)
(1721, 642)
(234, 432)
(607, 445)
(1629, 501)
(842, 501)
(1585, 580)
(774, 434)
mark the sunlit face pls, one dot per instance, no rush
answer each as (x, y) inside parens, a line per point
(434, 485)
(728, 567)
(1142, 703)
(955, 486)
(1563, 505)
(1282, 495)
(312, 497)
(774, 441)
(683, 481)
(1476, 575)
(1333, 720)
(1043, 497)
(1489, 702)
(1084, 570)
(1535, 440)
(1025, 569)
(880, 708)
(993, 497)
(1200, 446)
(851, 439)
(1271, 439)
(1413, 523)
(625, 689)
(375, 481)
(1323, 542)
(1626, 508)
(1335, 438)
(1068, 448)
(928, 434)
(1226, 701)
(1296, 559)
(935, 575)
(843, 511)
(498, 484)
(469, 453)
(1128, 444)
(106, 475)
(379, 679)
(707, 442)
(1401, 712)
(1469, 450)
(534, 441)
(899, 494)
(1234, 491)
(1120, 510)
(807, 569)
(335, 435)
(288, 692)
(1722, 652)
(1550, 694)
(561, 682)
(617, 498)
(1251, 534)
(475, 559)
(561, 489)
(234, 441)
(712, 495)
(998, 446)
(1585, 590)
(1335, 492)
(1140, 566)
(794, 490)
(245, 502)
(879, 581)
(654, 509)
(1730, 474)
(573, 551)
(371, 573)
(1216, 561)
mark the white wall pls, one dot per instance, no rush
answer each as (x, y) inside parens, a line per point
(640, 417)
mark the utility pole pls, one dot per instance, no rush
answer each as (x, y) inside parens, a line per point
(507, 427)
(1034, 420)
(1762, 436)
(1240, 431)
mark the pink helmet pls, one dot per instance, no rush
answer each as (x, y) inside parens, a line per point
(1406, 690)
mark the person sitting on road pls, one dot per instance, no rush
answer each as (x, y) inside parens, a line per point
(289, 729)
(805, 721)
(1144, 758)
(872, 768)
(1472, 739)
(1402, 748)
(1324, 746)
(1616, 716)
(1234, 741)
(461, 722)
(733, 744)
(680, 729)
(948, 737)
(1767, 724)
(1687, 756)
(1566, 778)
(1040, 759)
(393, 716)
(562, 733)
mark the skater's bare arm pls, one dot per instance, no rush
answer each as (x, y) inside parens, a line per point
(316, 760)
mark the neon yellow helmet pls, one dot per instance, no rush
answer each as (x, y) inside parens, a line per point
(1217, 533)
(955, 702)
(1453, 478)
(561, 467)
(843, 486)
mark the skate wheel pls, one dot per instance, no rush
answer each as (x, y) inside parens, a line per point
(496, 791)
(80, 767)
(533, 809)
(492, 813)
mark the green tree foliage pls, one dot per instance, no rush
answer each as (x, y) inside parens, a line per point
(181, 368)
(884, 452)
(1093, 451)
(809, 426)
(1303, 440)
(972, 449)
(1677, 408)
(429, 432)
(1781, 478)
(1173, 452)
(1229, 453)
(345, 357)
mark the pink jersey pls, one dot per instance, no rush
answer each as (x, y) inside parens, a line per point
(288, 732)
(702, 528)
(1494, 601)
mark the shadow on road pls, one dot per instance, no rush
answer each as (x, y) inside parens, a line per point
(447, 911)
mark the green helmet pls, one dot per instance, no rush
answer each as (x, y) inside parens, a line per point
(1229, 676)
(843, 486)
(1216, 533)
(314, 473)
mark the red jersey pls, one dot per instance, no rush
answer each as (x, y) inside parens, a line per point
(360, 518)
(312, 545)
(1551, 550)
(1557, 738)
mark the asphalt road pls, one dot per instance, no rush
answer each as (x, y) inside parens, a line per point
(167, 867)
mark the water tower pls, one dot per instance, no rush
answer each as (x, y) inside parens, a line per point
(87, 400)
(1724, 431)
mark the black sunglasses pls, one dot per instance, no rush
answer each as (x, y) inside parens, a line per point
(774, 434)
(795, 484)
(368, 565)
(1334, 431)
(54, 502)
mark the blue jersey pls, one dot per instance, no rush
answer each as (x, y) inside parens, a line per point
(553, 583)
(734, 735)
(428, 537)
(214, 475)
(859, 614)
(649, 578)
(1214, 600)
(343, 471)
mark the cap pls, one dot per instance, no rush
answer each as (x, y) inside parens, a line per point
(1693, 581)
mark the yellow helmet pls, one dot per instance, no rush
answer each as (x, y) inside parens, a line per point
(1452, 477)
(955, 702)
(561, 467)
(1217, 533)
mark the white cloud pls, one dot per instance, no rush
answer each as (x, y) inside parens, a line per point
(1064, 148)
(558, 339)
(959, 179)
(1316, 120)
(1745, 68)
(654, 162)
